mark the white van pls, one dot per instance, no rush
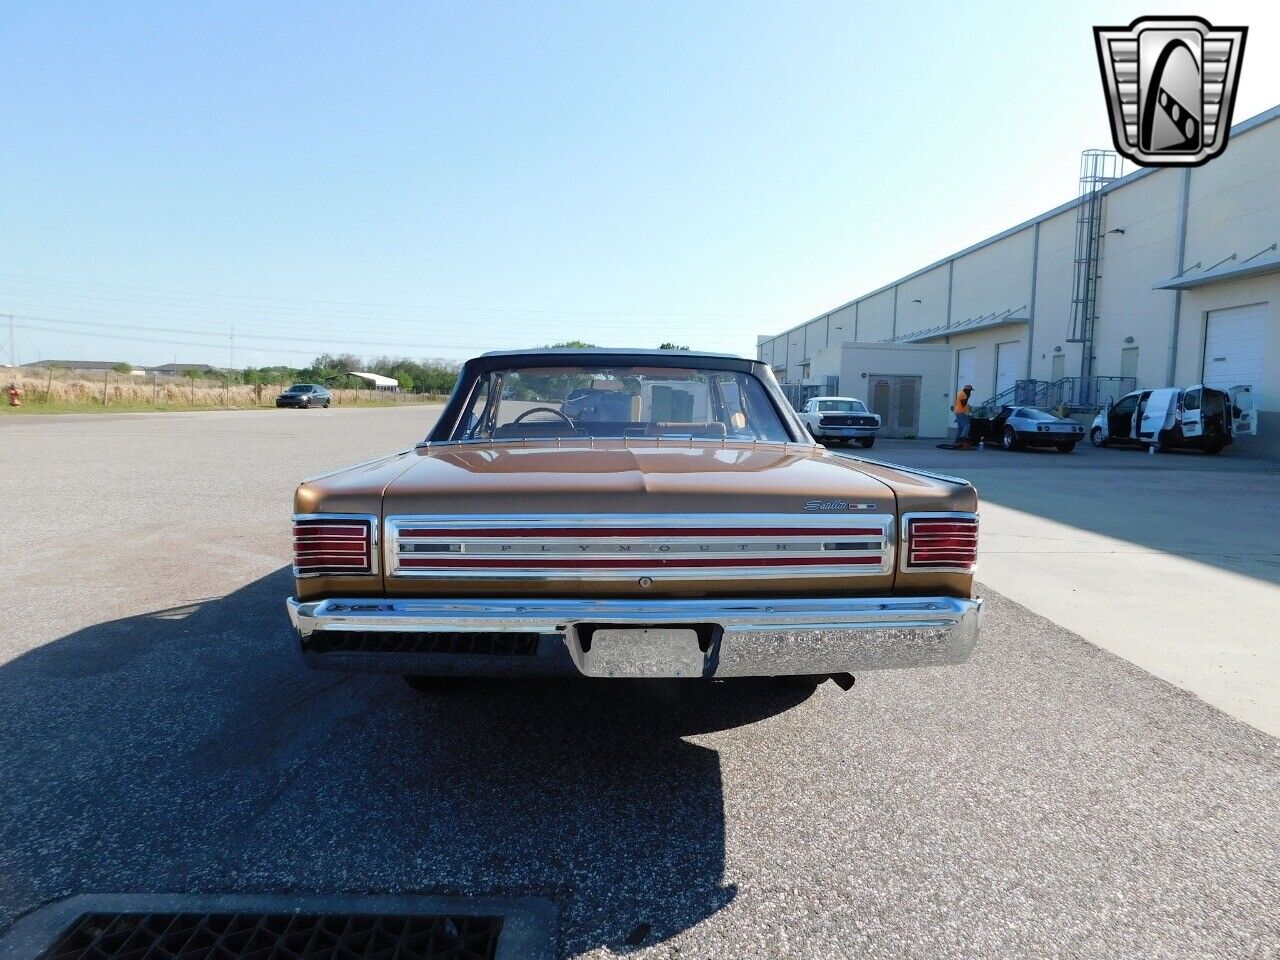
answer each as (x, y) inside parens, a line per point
(1199, 417)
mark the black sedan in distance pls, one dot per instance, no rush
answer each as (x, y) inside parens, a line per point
(304, 396)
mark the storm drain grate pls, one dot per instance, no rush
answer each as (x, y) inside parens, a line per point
(491, 643)
(275, 936)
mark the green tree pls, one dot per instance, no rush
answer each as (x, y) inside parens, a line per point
(125, 368)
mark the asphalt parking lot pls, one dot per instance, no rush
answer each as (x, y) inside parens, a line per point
(158, 734)
(1171, 560)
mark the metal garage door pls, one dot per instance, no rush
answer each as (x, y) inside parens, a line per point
(1234, 343)
(1008, 362)
(897, 400)
(966, 365)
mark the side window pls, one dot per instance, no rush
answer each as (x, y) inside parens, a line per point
(734, 415)
(761, 419)
(471, 425)
(1191, 400)
(1126, 406)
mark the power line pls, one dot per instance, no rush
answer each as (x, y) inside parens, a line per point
(186, 294)
(218, 335)
(150, 340)
(161, 311)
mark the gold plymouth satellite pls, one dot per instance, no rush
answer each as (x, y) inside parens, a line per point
(630, 513)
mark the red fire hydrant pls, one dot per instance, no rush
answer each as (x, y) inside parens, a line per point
(15, 395)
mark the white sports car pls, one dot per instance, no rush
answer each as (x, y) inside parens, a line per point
(840, 419)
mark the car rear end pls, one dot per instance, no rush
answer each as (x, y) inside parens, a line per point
(705, 578)
(1050, 433)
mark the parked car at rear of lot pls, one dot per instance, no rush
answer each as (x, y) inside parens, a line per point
(839, 420)
(1017, 427)
(1197, 417)
(304, 395)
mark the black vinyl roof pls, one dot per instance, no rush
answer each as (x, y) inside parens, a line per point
(603, 356)
(588, 357)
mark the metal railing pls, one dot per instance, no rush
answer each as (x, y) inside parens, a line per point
(798, 394)
(1077, 394)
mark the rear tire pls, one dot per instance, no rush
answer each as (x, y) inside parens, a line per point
(1009, 439)
(1214, 448)
(867, 442)
(1066, 447)
(1096, 437)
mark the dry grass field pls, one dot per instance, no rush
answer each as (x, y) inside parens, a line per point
(64, 391)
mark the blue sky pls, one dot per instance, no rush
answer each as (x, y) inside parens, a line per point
(441, 179)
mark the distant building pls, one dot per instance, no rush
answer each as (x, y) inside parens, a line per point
(1163, 277)
(377, 381)
(177, 369)
(75, 366)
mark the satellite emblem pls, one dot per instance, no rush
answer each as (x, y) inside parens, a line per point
(1171, 86)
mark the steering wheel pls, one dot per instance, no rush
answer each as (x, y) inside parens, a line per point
(551, 410)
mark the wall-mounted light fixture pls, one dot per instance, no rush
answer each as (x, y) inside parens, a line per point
(917, 301)
(1119, 230)
(1128, 339)
(1057, 349)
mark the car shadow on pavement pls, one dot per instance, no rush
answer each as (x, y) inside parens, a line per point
(189, 750)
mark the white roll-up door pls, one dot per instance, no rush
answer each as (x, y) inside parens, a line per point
(1008, 363)
(1235, 343)
(966, 366)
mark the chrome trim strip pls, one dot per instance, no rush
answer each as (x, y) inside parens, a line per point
(388, 457)
(374, 552)
(694, 520)
(756, 637)
(897, 466)
(932, 515)
(704, 537)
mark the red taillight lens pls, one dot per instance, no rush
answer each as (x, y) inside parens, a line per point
(946, 543)
(335, 545)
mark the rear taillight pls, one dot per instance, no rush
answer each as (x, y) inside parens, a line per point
(939, 542)
(334, 544)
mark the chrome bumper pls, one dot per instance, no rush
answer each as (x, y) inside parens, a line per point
(664, 638)
(845, 431)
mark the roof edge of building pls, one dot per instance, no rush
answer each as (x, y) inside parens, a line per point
(1244, 126)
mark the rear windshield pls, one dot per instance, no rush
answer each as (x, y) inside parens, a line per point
(1030, 413)
(841, 406)
(619, 402)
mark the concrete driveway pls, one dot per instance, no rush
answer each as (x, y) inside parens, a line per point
(159, 734)
(1171, 561)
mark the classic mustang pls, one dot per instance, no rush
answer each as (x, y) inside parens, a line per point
(630, 514)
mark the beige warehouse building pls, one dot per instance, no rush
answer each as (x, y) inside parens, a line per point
(1162, 277)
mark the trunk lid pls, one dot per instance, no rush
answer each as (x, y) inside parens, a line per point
(638, 517)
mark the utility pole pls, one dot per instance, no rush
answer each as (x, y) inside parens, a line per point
(13, 350)
(233, 348)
